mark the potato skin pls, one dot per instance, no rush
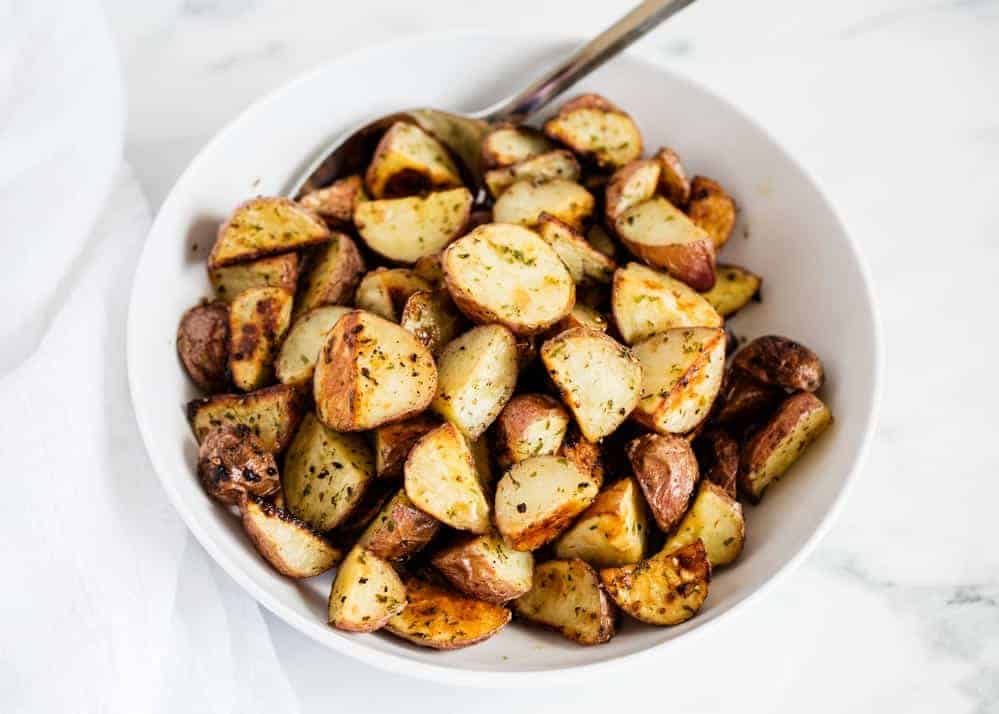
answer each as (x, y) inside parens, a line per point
(583, 453)
(203, 345)
(400, 530)
(718, 459)
(468, 569)
(781, 362)
(393, 442)
(335, 203)
(742, 400)
(712, 209)
(666, 469)
(232, 463)
(515, 422)
(673, 181)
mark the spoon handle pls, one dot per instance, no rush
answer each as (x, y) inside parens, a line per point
(583, 61)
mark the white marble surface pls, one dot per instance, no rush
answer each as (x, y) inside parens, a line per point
(894, 106)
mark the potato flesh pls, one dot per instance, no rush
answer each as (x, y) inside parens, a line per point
(712, 209)
(408, 160)
(485, 567)
(279, 271)
(585, 264)
(714, 518)
(442, 619)
(525, 201)
(392, 443)
(258, 319)
(366, 593)
(505, 146)
(631, 185)
(285, 542)
(537, 169)
(266, 226)
(656, 223)
(566, 596)
(613, 531)
(300, 351)
(384, 291)
(530, 425)
(609, 137)
(646, 301)
(407, 229)
(272, 414)
(335, 271)
(583, 316)
(432, 318)
(734, 288)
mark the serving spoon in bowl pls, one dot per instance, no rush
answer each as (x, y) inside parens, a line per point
(462, 133)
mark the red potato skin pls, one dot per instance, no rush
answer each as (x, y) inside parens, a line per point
(718, 459)
(397, 439)
(335, 203)
(520, 413)
(666, 469)
(780, 362)
(469, 572)
(673, 182)
(232, 464)
(203, 345)
(410, 531)
(742, 400)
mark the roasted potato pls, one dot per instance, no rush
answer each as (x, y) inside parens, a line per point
(734, 288)
(715, 519)
(367, 593)
(536, 169)
(596, 129)
(441, 480)
(666, 469)
(712, 209)
(203, 345)
(780, 362)
(632, 184)
(566, 596)
(407, 229)
(432, 318)
(272, 414)
(600, 380)
(288, 544)
(429, 268)
(325, 474)
(506, 145)
(442, 619)
(529, 425)
(409, 161)
(399, 530)
(508, 274)
(484, 567)
(258, 319)
(666, 589)
(537, 499)
(524, 202)
(585, 263)
(384, 291)
(266, 226)
(232, 463)
(392, 443)
(645, 301)
(601, 239)
(771, 452)
(718, 459)
(333, 275)
(583, 454)
(483, 463)
(673, 181)
(335, 203)
(683, 371)
(296, 361)
(613, 531)
(743, 400)
(276, 271)
(371, 372)
(376, 495)
(582, 316)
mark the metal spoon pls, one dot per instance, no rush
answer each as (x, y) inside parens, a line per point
(463, 133)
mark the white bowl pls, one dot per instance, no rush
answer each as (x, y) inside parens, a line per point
(816, 290)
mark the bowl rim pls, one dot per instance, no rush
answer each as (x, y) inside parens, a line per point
(402, 665)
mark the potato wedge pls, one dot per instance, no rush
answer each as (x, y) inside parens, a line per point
(523, 203)
(601, 239)
(558, 164)
(743, 400)
(583, 454)
(399, 530)
(296, 361)
(392, 443)
(645, 301)
(734, 288)
(325, 474)
(367, 593)
(596, 129)
(272, 414)
(288, 544)
(484, 567)
(630, 185)
(684, 368)
(334, 272)
(666, 589)
(666, 469)
(585, 264)
(384, 291)
(718, 459)
(566, 597)
(232, 463)
(203, 345)
(258, 319)
(441, 480)
(407, 229)
(773, 450)
(582, 316)
(673, 182)
(432, 318)
(715, 519)
(276, 271)
(442, 619)
(429, 268)
(508, 274)
(780, 362)
(506, 145)
(537, 499)
(529, 425)
(712, 209)
(335, 203)
(613, 531)
(600, 380)
(409, 161)
(371, 372)
(266, 226)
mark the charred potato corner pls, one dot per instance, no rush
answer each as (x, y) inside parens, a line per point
(494, 392)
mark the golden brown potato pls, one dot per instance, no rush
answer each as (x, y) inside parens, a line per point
(529, 425)
(288, 544)
(630, 185)
(666, 469)
(277, 271)
(734, 288)
(585, 264)
(772, 451)
(683, 371)
(718, 459)
(742, 399)
(781, 362)
(596, 129)
(712, 209)
(409, 161)
(272, 414)
(715, 519)
(673, 181)
(484, 567)
(296, 361)
(442, 619)
(508, 274)
(203, 345)
(441, 480)
(666, 589)
(334, 273)
(384, 291)
(399, 530)
(506, 145)
(366, 593)
(407, 229)
(325, 474)
(335, 203)
(600, 380)
(429, 268)
(258, 319)
(566, 597)
(537, 499)
(524, 202)
(392, 443)
(432, 318)
(266, 226)
(613, 531)
(582, 316)
(552, 165)
(232, 463)
(583, 454)
(371, 372)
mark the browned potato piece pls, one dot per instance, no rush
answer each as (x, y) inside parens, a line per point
(666, 589)
(529, 425)
(399, 530)
(662, 236)
(408, 161)
(552, 165)
(718, 459)
(613, 531)
(258, 319)
(645, 301)
(583, 453)
(484, 567)
(712, 209)
(524, 202)
(673, 181)
(393, 442)
(566, 597)
(585, 263)
(429, 268)
(444, 620)
(296, 361)
(272, 414)
(600, 380)
(288, 544)
(407, 229)
(203, 345)
(276, 271)
(742, 399)
(507, 145)
(593, 127)
(376, 495)
(266, 226)
(232, 463)
(666, 469)
(384, 291)
(537, 499)
(371, 372)
(601, 239)
(366, 593)
(734, 288)
(334, 272)
(508, 274)
(630, 185)
(781, 362)
(582, 316)
(771, 452)
(715, 519)
(432, 318)
(441, 479)
(335, 203)
(683, 371)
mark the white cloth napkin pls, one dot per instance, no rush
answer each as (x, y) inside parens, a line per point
(108, 604)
